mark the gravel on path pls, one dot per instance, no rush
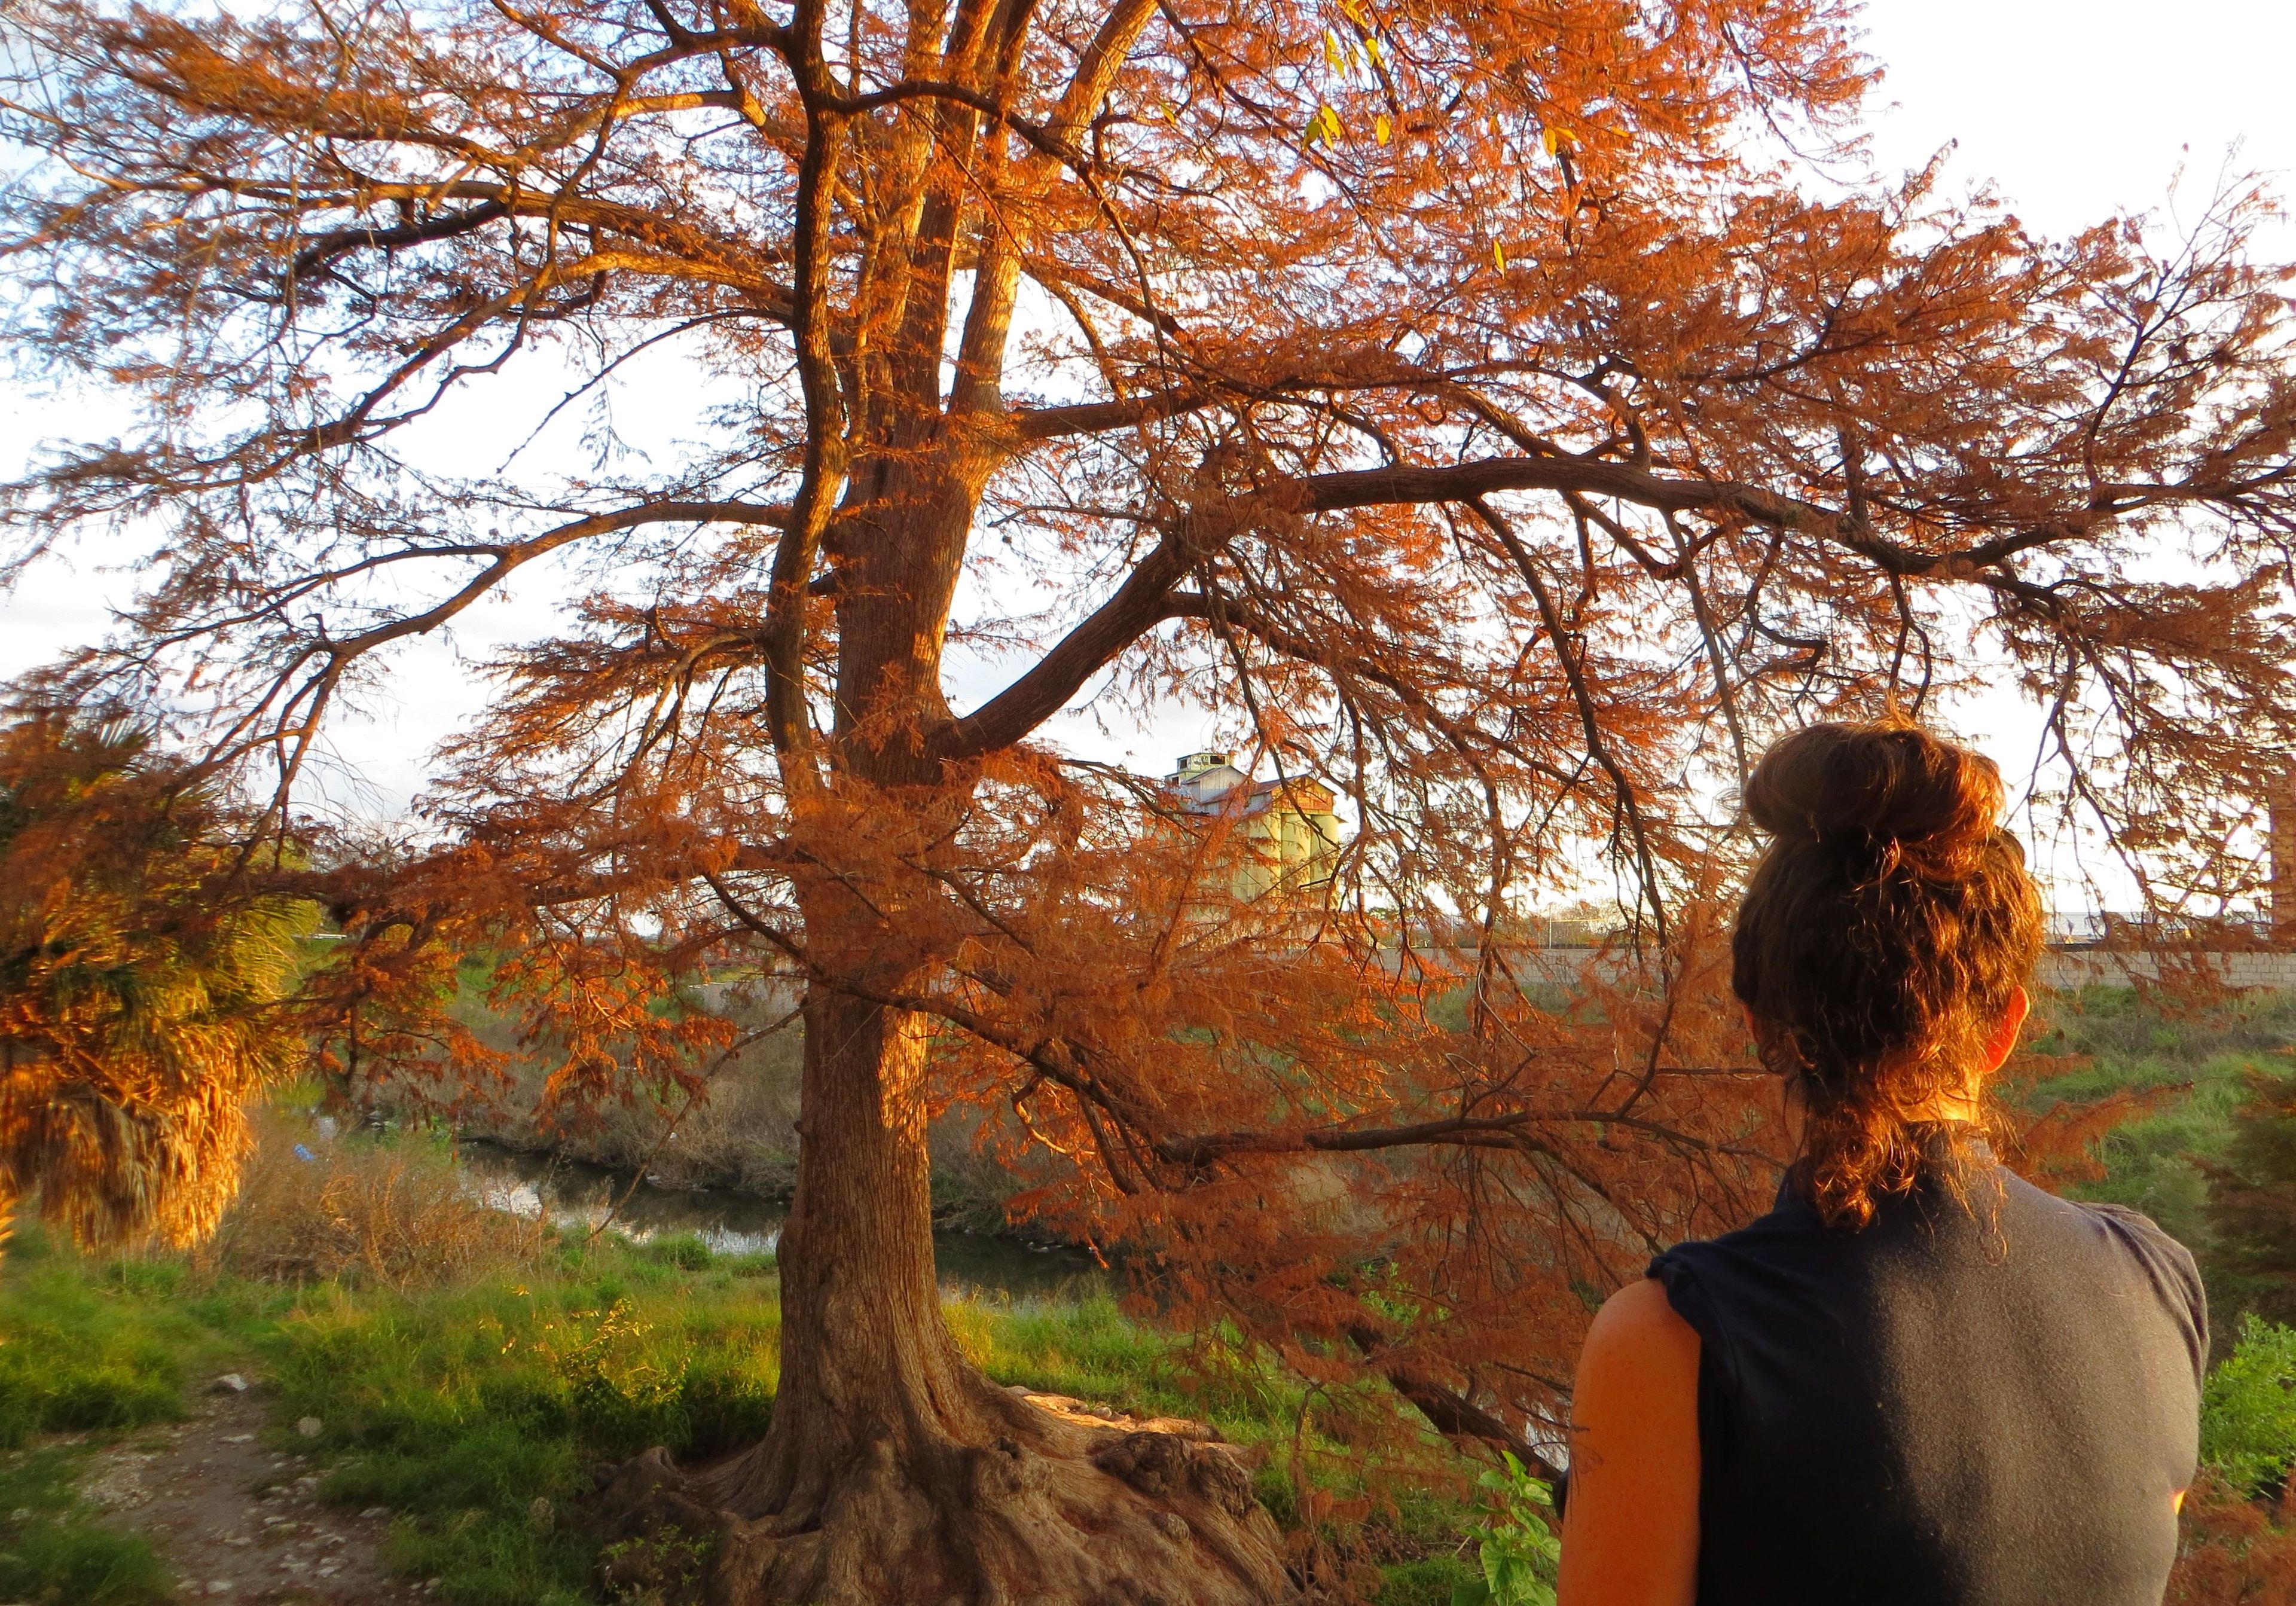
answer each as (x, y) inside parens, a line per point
(238, 1520)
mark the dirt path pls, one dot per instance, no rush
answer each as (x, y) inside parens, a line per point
(236, 1519)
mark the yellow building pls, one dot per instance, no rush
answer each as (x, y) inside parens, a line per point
(1288, 836)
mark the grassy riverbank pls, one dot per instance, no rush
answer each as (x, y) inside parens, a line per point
(460, 1404)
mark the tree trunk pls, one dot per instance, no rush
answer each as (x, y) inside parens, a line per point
(894, 1469)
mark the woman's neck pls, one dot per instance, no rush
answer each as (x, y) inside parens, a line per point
(1964, 1106)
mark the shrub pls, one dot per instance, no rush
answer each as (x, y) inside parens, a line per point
(142, 980)
(2247, 1409)
(685, 1250)
(395, 1212)
(2232, 1551)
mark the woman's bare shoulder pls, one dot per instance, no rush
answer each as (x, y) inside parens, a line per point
(1640, 1316)
(1630, 1532)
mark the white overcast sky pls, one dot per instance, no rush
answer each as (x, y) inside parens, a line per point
(2073, 109)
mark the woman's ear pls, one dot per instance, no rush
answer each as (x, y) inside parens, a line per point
(2003, 1038)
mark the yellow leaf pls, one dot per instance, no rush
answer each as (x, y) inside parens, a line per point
(1381, 127)
(1498, 256)
(1332, 51)
(1371, 48)
(1557, 139)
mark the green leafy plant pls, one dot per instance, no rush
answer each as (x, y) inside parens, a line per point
(1516, 1543)
(2248, 1409)
(653, 1567)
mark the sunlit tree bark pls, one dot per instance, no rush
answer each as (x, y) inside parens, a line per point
(1482, 409)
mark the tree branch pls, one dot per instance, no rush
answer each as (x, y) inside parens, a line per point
(1138, 605)
(1031, 425)
(512, 556)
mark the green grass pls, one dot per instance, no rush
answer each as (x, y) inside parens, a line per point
(79, 1356)
(458, 1408)
(1427, 1582)
(1091, 1351)
(84, 1359)
(1088, 1349)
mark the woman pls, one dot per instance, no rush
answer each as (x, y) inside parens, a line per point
(1918, 1379)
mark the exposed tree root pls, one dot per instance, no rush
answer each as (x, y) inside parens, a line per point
(894, 1473)
(1057, 1509)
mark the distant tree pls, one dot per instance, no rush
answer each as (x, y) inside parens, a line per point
(1484, 410)
(143, 1002)
(2251, 1209)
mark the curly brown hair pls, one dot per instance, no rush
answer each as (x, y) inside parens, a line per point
(1883, 938)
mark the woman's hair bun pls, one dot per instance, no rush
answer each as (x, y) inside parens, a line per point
(1883, 782)
(1885, 932)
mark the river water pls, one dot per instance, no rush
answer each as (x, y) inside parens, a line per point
(971, 1265)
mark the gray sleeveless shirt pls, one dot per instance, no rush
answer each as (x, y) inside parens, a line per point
(1987, 1404)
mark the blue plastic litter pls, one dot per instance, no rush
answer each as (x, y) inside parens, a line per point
(303, 1153)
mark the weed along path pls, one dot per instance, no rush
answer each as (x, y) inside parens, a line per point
(235, 1518)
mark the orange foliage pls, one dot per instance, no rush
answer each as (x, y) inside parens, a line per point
(2234, 1552)
(2059, 1145)
(143, 994)
(1477, 409)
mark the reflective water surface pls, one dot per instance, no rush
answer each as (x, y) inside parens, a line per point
(571, 1194)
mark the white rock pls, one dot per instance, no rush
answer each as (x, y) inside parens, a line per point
(219, 1586)
(309, 1427)
(376, 1511)
(230, 1382)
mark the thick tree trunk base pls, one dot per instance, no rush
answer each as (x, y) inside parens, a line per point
(894, 1474)
(1055, 1510)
